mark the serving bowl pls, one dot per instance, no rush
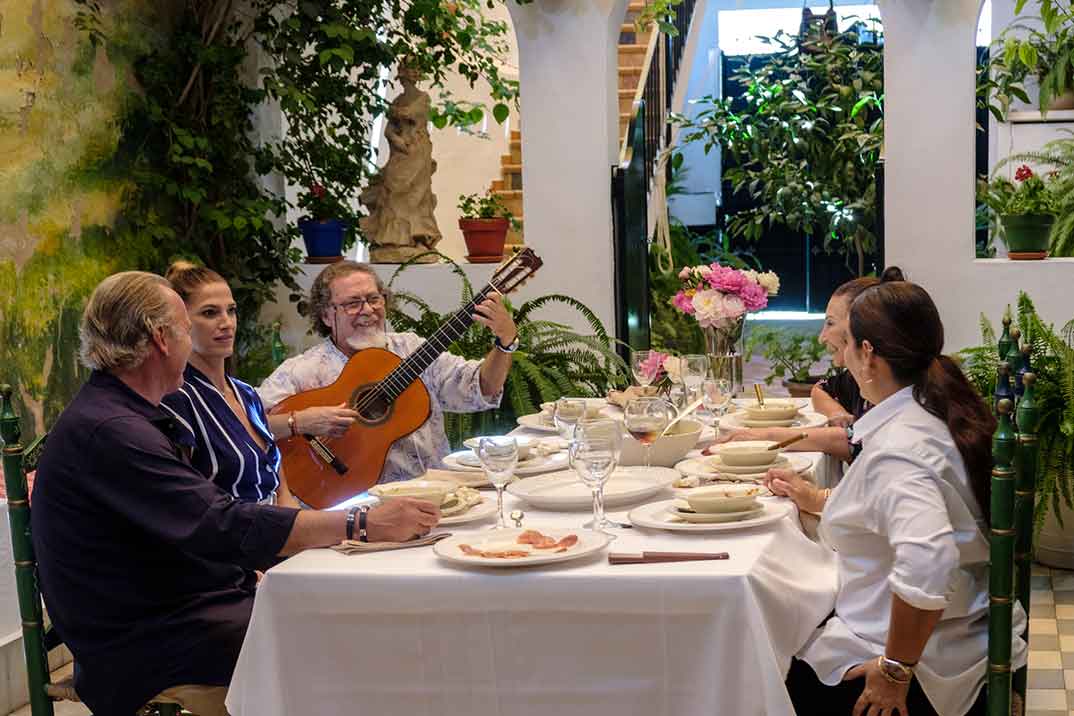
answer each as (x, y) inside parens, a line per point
(666, 450)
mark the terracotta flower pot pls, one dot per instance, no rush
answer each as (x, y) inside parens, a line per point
(800, 390)
(324, 240)
(1027, 235)
(484, 238)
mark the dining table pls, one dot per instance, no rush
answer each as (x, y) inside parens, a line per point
(408, 632)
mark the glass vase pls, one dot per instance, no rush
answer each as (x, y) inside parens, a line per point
(725, 351)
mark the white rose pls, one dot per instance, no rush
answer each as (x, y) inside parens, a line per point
(704, 270)
(770, 282)
(673, 366)
(708, 307)
(751, 275)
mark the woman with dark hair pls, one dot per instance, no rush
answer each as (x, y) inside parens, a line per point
(837, 397)
(908, 521)
(222, 419)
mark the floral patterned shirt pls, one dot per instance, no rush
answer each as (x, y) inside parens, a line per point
(454, 385)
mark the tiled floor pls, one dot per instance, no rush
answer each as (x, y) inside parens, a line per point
(1051, 653)
(1051, 643)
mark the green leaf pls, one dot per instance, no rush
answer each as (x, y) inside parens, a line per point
(500, 112)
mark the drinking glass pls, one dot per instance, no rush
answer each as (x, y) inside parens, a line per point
(695, 369)
(645, 419)
(644, 376)
(716, 396)
(498, 456)
(594, 460)
(567, 413)
(604, 429)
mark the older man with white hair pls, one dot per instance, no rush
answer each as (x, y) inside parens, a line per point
(145, 566)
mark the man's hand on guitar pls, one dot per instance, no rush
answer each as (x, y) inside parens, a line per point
(401, 519)
(330, 420)
(492, 314)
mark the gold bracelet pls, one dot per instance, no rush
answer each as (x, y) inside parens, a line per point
(907, 671)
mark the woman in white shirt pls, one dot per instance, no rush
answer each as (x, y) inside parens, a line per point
(909, 631)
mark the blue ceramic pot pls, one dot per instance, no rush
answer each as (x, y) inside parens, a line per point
(324, 239)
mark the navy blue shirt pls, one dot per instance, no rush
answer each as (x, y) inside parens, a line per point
(143, 563)
(221, 447)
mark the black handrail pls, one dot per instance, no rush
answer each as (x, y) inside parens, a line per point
(647, 134)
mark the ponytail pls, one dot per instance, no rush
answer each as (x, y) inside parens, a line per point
(943, 390)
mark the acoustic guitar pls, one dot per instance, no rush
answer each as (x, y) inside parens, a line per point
(390, 399)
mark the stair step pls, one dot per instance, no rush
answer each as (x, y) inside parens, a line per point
(626, 100)
(629, 35)
(516, 135)
(632, 55)
(629, 78)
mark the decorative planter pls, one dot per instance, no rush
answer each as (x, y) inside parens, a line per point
(801, 390)
(484, 239)
(1055, 543)
(1027, 235)
(324, 240)
(1063, 101)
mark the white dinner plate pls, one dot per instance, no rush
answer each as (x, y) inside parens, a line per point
(712, 518)
(485, 508)
(805, 419)
(475, 476)
(658, 516)
(565, 490)
(538, 421)
(588, 543)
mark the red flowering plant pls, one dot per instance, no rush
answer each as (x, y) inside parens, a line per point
(1029, 193)
(319, 205)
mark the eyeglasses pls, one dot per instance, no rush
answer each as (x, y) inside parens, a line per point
(353, 308)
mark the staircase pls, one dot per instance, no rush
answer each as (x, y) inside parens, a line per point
(633, 48)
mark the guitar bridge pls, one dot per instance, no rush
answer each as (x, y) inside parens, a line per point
(326, 455)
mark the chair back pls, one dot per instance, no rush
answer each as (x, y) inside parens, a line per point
(1014, 472)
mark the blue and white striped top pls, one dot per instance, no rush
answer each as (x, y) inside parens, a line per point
(223, 450)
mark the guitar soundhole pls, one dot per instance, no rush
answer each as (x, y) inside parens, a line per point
(372, 404)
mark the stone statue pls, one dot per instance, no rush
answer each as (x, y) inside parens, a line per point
(400, 198)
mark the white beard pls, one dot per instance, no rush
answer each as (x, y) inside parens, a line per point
(372, 338)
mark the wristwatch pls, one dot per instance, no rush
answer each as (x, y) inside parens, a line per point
(510, 347)
(895, 671)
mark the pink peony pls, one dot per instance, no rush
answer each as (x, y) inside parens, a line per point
(726, 279)
(754, 296)
(683, 302)
(653, 366)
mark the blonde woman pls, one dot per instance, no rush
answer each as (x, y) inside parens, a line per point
(221, 418)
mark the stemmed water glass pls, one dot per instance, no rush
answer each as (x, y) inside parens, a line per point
(642, 372)
(645, 419)
(605, 430)
(695, 369)
(567, 413)
(499, 456)
(716, 396)
(594, 460)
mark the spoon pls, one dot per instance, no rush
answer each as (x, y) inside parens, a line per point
(760, 394)
(685, 411)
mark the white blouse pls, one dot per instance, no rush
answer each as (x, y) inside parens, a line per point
(904, 521)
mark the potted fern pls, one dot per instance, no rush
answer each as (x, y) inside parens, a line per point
(1052, 360)
(552, 360)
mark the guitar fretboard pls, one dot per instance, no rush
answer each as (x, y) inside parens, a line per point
(415, 364)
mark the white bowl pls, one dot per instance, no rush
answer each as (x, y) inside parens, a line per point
(525, 444)
(724, 498)
(667, 450)
(772, 410)
(593, 406)
(430, 490)
(752, 453)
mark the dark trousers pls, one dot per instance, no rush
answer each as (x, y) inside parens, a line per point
(811, 697)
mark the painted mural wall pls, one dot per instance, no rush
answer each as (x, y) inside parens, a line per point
(60, 102)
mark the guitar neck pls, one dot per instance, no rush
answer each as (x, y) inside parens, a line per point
(415, 364)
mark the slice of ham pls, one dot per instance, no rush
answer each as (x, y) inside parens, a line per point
(541, 541)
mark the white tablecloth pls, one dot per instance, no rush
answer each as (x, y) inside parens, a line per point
(404, 633)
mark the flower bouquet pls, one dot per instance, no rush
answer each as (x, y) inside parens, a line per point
(719, 297)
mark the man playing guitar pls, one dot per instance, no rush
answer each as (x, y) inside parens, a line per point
(348, 306)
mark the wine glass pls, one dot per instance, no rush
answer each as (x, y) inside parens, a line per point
(594, 460)
(605, 429)
(498, 456)
(643, 373)
(567, 413)
(645, 419)
(695, 369)
(716, 398)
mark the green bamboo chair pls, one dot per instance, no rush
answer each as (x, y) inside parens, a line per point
(37, 641)
(1014, 454)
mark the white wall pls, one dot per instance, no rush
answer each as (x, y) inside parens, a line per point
(929, 191)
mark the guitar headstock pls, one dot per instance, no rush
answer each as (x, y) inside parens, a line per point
(515, 271)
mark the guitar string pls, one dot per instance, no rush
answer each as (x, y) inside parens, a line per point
(398, 380)
(391, 381)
